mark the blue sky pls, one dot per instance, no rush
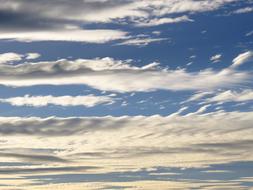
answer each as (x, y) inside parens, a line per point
(113, 94)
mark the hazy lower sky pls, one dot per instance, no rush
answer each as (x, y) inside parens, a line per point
(126, 94)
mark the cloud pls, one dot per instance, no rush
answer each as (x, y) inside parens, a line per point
(200, 110)
(160, 21)
(40, 101)
(243, 10)
(30, 56)
(223, 97)
(232, 96)
(37, 15)
(107, 145)
(180, 111)
(242, 58)
(143, 184)
(31, 158)
(99, 11)
(141, 41)
(71, 35)
(10, 57)
(249, 33)
(216, 58)
(40, 170)
(107, 74)
(57, 20)
(198, 139)
(198, 96)
(117, 152)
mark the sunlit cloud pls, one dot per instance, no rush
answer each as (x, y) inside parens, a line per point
(40, 101)
(225, 96)
(10, 57)
(141, 42)
(242, 58)
(71, 35)
(243, 10)
(156, 22)
(216, 58)
(96, 145)
(125, 94)
(114, 75)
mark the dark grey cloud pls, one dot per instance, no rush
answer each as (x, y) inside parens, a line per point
(56, 20)
(54, 126)
(48, 14)
(59, 126)
(14, 170)
(219, 149)
(21, 21)
(32, 158)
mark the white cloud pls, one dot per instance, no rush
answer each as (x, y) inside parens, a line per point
(133, 185)
(141, 41)
(232, 96)
(198, 96)
(160, 21)
(112, 75)
(243, 10)
(157, 33)
(181, 110)
(10, 57)
(189, 63)
(30, 56)
(72, 35)
(242, 58)
(40, 101)
(174, 6)
(222, 97)
(216, 58)
(200, 110)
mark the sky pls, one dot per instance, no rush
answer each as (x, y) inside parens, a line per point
(125, 94)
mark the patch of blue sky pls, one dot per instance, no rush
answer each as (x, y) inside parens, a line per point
(221, 173)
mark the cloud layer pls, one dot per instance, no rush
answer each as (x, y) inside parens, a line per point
(51, 12)
(40, 101)
(224, 96)
(68, 35)
(61, 20)
(96, 145)
(115, 75)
